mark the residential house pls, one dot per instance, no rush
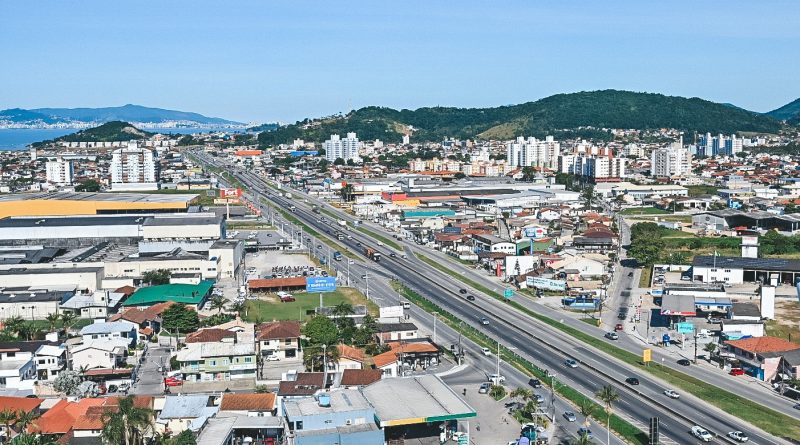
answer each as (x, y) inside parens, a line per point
(395, 331)
(26, 404)
(578, 268)
(97, 305)
(50, 361)
(209, 335)
(17, 366)
(492, 243)
(87, 428)
(62, 417)
(406, 356)
(281, 338)
(302, 384)
(349, 358)
(109, 331)
(761, 357)
(185, 412)
(358, 378)
(147, 319)
(217, 361)
(342, 417)
(102, 353)
(253, 405)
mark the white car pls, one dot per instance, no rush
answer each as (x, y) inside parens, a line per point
(497, 379)
(701, 433)
(672, 394)
(571, 363)
(486, 351)
(738, 436)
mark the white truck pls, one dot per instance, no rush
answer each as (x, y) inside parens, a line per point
(342, 223)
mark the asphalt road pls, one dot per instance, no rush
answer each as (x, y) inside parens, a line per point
(548, 349)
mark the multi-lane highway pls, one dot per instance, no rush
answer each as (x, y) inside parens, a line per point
(539, 343)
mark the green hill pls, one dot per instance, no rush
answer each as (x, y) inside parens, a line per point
(561, 115)
(789, 112)
(108, 132)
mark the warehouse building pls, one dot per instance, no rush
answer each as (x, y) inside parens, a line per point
(729, 219)
(737, 270)
(83, 203)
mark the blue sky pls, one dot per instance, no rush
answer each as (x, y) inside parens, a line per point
(286, 60)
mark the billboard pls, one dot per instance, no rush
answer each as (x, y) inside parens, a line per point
(647, 355)
(685, 328)
(390, 312)
(544, 283)
(534, 232)
(230, 193)
(452, 230)
(320, 284)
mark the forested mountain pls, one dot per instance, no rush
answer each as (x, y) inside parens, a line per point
(108, 132)
(128, 113)
(789, 112)
(562, 113)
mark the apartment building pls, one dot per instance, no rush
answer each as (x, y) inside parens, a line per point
(60, 171)
(532, 152)
(670, 161)
(133, 168)
(719, 145)
(346, 148)
(592, 166)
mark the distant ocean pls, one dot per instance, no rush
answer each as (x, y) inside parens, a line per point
(18, 139)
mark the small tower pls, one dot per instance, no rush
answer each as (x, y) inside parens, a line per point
(749, 246)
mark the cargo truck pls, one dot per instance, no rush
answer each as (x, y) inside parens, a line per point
(372, 254)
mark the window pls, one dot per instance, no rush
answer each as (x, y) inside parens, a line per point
(10, 354)
(298, 425)
(41, 361)
(248, 359)
(713, 270)
(212, 363)
(288, 341)
(727, 270)
(225, 362)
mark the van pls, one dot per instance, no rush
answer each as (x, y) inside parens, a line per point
(406, 305)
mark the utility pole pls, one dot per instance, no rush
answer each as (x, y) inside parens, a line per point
(695, 346)
(498, 362)
(435, 316)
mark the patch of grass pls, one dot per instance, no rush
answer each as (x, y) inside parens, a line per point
(380, 238)
(646, 277)
(248, 225)
(787, 324)
(767, 419)
(619, 425)
(698, 190)
(474, 284)
(307, 229)
(273, 309)
(644, 211)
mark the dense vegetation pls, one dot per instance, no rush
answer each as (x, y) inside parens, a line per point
(789, 112)
(562, 115)
(108, 132)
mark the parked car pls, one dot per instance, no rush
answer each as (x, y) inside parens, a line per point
(484, 388)
(536, 383)
(701, 433)
(632, 381)
(796, 406)
(571, 363)
(287, 299)
(570, 416)
(612, 336)
(497, 378)
(684, 362)
(672, 394)
(272, 358)
(738, 436)
(736, 371)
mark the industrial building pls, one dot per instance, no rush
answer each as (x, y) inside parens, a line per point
(737, 270)
(85, 203)
(729, 219)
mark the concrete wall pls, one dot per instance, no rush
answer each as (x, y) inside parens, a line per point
(137, 268)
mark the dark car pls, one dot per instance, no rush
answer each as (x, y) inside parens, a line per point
(535, 383)
(684, 362)
(632, 381)
(462, 291)
(471, 297)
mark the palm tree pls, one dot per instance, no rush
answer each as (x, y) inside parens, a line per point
(52, 320)
(127, 424)
(710, 348)
(25, 418)
(67, 320)
(31, 439)
(7, 417)
(217, 302)
(237, 306)
(521, 393)
(586, 408)
(609, 396)
(14, 324)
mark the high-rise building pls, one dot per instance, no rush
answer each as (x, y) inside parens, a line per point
(532, 152)
(670, 161)
(133, 168)
(59, 171)
(595, 167)
(719, 145)
(346, 148)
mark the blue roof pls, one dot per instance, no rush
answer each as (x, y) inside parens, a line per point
(106, 328)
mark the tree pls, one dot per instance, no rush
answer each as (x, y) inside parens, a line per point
(586, 408)
(31, 439)
(127, 424)
(14, 324)
(217, 302)
(157, 277)
(710, 347)
(528, 173)
(338, 161)
(321, 330)
(52, 320)
(609, 396)
(497, 392)
(68, 319)
(180, 318)
(7, 417)
(313, 356)
(89, 185)
(68, 382)
(588, 195)
(347, 192)
(583, 439)
(342, 309)
(184, 438)
(25, 418)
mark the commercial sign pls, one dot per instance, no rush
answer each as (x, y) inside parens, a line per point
(320, 284)
(390, 312)
(647, 355)
(230, 193)
(534, 232)
(452, 230)
(508, 293)
(685, 328)
(547, 284)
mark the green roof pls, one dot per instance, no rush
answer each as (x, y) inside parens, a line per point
(178, 293)
(428, 213)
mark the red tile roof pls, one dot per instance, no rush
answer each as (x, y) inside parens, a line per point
(764, 344)
(390, 357)
(351, 353)
(19, 403)
(139, 316)
(360, 377)
(278, 330)
(60, 418)
(209, 335)
(307, 383)
(248, 402)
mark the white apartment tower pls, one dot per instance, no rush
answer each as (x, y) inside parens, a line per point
(597, 167)
(670, 161)
(346, 148)
(133, 168)
(532, 152)
(59, 171)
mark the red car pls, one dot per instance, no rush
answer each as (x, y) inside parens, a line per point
(287, 299)
(618, 327)
(736, 371)
(172, 381)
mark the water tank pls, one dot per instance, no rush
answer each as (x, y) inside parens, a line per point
(324, 400)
